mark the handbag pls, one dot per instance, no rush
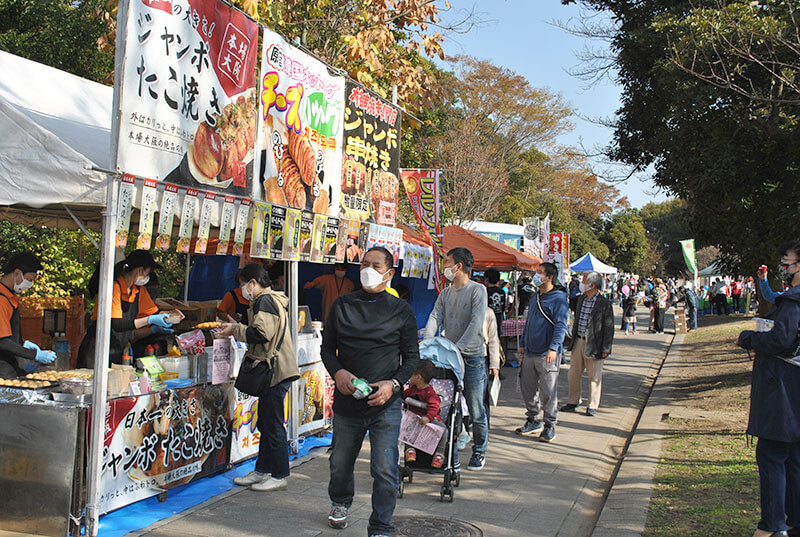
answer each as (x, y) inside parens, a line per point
(255, 375)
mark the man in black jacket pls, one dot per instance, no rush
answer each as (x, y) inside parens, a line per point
(592, 336)
(371, 335)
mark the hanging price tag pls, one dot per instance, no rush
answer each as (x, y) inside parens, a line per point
(127, 191)
(187, 221)
(206, 213)
(241, 227)
(169, 201)
(291, 235)
(259, 241)
(147, 214)
(225, 225)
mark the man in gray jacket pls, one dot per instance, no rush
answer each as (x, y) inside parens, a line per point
(592, 337)
(460, 310)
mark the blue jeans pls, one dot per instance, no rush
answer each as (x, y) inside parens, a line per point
(779, 480)
(692, 319)
(273, 451)
(348, 435)
(475, 381)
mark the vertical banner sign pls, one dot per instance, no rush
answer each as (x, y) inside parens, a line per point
(370, 170)
(225, 225)
(545, 234)
(147, 215)
(245, 437)
(291, 235)
(318, 234)
(277, 222)
(559, 255)
(689, 256)
(188, 94)
(259, 242)
(127, 191)
(423, 190)
(306, 227)
(242, 217)
(169, 200)
(204, 229)
(301, 107)
(187, 221)
(533, 238)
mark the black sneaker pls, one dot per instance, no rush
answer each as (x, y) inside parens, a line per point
(337, 518)
(549, 433)
(569, 407)
(530, 427)
(591, 412)
(476, 462)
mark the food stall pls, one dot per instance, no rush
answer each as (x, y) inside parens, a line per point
(285, 185)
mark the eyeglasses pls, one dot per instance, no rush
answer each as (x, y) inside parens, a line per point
(787, 265)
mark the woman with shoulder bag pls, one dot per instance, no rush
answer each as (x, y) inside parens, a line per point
(268, 369)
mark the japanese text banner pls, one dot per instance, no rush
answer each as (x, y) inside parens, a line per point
(301, 107)
(371, 160)
(423, 190)
(188, 96)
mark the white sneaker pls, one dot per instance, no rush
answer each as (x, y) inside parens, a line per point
(270, 484)
(250, 479)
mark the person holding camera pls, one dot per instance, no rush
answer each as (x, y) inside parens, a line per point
(775, 404)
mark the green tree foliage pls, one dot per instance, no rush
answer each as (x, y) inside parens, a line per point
(626, 239)
(64, 34)
(733, 158)
(667, 223)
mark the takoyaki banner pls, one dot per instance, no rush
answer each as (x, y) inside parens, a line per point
(162, 440)
(371, 162)
(300, 121)
(188, 95)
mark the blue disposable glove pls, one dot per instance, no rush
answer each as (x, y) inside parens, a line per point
(30, 367)
(159, 319)
(45, 357)
(31, 345)
(161, 330)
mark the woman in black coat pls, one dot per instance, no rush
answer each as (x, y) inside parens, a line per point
(775, 405)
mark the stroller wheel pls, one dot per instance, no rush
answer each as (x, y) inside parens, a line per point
(456, 479)
(400, 489)
(451, 493)
(410, 476)
(441, 494)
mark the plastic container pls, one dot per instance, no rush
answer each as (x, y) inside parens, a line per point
(203, 366)
(182, 365)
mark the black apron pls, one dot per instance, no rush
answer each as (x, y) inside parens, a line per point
(241, 309)
(9, 365)
(119, 340)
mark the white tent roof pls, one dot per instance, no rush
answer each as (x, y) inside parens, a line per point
(493, 227)
(589, 263)
(52, 126)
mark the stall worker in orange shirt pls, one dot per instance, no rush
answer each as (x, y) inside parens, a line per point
(333, 286)
(134, 315)
(235, 305)
(16, 356)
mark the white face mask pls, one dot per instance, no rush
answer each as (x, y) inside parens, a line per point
(22, 286)
(246, 293)
(585, 287)
(449, 273)
(371, 278)
(141, 281)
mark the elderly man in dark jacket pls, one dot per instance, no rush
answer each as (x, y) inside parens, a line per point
(775, 404)
(592, 336)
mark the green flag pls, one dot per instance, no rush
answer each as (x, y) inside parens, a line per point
(687, 247)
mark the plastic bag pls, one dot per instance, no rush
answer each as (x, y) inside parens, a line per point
(193, 342)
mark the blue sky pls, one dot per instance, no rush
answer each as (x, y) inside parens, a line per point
(521, 35)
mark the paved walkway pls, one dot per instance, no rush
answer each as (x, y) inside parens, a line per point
(528, 488)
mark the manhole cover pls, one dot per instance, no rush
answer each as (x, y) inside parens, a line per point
(433, 526)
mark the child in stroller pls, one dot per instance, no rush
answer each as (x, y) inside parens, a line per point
(421, 399)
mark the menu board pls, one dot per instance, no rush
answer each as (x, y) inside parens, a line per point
(300, 129)
(371, 160)
(188, 94)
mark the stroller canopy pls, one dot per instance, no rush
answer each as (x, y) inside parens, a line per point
(443, 353)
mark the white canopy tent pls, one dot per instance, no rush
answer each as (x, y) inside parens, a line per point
(588, 263)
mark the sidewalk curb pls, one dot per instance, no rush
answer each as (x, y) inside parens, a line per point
(625, 511)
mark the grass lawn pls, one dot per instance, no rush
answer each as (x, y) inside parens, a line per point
(706, 483)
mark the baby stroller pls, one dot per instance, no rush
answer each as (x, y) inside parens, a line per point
(448, 382)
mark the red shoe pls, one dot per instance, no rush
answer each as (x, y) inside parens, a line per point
(438, 460)
(411, 455)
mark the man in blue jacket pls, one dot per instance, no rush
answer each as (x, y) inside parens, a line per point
(542, 344)
(775, 404)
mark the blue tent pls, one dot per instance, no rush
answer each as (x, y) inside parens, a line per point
(589, 263)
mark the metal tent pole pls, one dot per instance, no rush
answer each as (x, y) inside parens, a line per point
(292, 280)
(104, 297)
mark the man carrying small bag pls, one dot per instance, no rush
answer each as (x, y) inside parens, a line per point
(268, 369)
